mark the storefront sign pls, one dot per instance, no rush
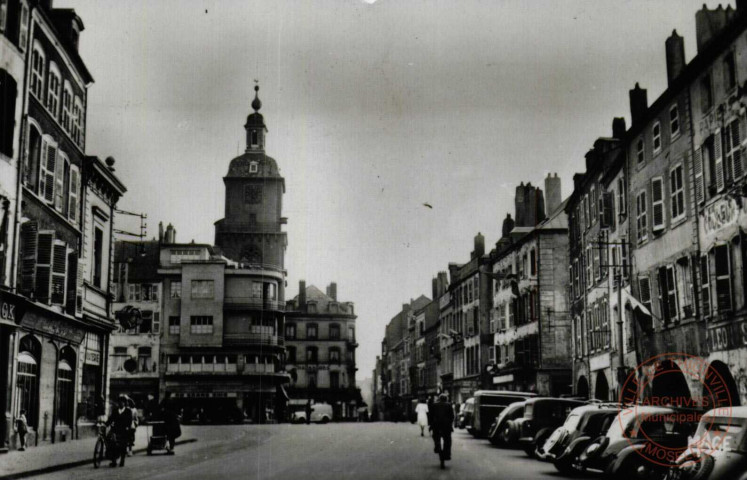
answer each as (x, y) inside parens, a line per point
(54, 327)
(727, 337)
(501, 379)
(93, 358)
(721, 214)
(10, 309)
(313, 368)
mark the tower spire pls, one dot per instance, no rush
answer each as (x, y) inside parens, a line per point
(256, 103)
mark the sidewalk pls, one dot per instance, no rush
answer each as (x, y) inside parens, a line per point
(52, 457)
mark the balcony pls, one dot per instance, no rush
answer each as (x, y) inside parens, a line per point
(200, 368)
(253, 303)
(244, 339)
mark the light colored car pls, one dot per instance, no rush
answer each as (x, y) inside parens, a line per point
(320, 413)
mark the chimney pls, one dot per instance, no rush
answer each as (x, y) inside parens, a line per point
(520, 205)
(618, 128)
(302, 295)
(554, 197)
(434, 288)
(675, 50)
(578, 178)
(332, 291)
(479, 245)
(539, 211)
(638, 104)
(170, 234)
(508, 225)
(708, 24)
(160, 232)
(443, 283)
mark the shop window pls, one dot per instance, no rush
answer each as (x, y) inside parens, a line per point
(27, 379)
(65, 387)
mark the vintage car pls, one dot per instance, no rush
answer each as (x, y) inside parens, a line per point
(568, 441)
(718, 450)
(642, 442)
(489, 404)
(541, 417)
(464, 420)
(499, 433)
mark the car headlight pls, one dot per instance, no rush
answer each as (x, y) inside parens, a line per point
(592, 448)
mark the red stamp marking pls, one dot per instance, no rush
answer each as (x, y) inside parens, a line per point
(658, 411)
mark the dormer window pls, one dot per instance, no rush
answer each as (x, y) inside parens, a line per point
(253, 167)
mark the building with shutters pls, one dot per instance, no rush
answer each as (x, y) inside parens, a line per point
(224, 305)
(62, 261)
(320, 344)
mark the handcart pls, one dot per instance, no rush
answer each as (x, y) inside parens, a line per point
(157, 439)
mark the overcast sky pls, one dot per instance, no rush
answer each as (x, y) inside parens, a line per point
(373, 108)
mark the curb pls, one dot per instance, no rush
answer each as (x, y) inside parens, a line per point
(76, 463)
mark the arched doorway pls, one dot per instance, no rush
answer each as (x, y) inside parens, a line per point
(27, 379)
(601, 387)
(582, 387)
(65, 386)
(669, 384)
(719, 386)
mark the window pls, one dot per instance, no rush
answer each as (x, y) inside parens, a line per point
(706, 93)
(98, 247)
(67, 108)
(733, 167)
(62, 183)
(312, 380)
(657, 204)
(644, 287)
(589, 267)
(705, 288)
(290, 354)
(174, 325)
(37, 72)
(47, 169)
(150, 292)
(595, 259)
(334, 355)
(201, 325)
(657, 137)
(8, 93)
(146, 322)
(290, 331)
(65, 391)
(593, 205)
(677, 188)
(252, 194)
(685, 286)
(73, 193)
(144, 360)
(674, 121)
(311, 331)
(27, 379)
(351, 333)
(134, 294)
(203, 289)
(53, 89)
(312, 355)
(334, 332)
(640, 154)
(668, 293)
(255, 138)
(722, 262)
(176, 289)
(709, 162)
(730, 72)
(253, 167)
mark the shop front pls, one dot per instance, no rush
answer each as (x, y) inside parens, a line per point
(12, 309)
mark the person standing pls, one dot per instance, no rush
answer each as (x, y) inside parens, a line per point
(133, 426)
(171, 424)
(120, 422)
(22, 428)
(442, 419)
(422, 412)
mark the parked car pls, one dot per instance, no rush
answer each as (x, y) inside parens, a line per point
(568, 441)
(621, 452)
(718, 450)
(499, 433)
(465, 414)
(542, 415)
(489, 404)
(320, 413)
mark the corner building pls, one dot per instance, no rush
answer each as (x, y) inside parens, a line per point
(225, 305)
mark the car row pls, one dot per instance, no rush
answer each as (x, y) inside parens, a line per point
(619, 441)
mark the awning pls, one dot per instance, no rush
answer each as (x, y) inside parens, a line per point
(635, 304)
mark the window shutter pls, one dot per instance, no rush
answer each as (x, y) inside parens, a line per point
(29, 233)
(23, 27)
(657, 200)
(72, 282)
(74, 189)
(662, 280)
(719, 160)
(43, 167)
(44, 266)
(59, 186)
(59, 269)
(737, 152)
(705, 290)
(51, 161)
(698, 169)
(607, 214)
(644, 285)
(723, 278)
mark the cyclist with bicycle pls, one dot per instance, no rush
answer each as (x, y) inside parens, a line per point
(120, 422)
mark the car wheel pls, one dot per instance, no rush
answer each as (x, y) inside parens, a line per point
(529, 450)
(564, 464)
(699, 469)
(325, 419)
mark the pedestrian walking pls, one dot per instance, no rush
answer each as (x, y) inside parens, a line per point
(171, 423)
(133, 426)
(442, 418)
(308, 412)
(22, 428)
(422, 411)
(120, 422)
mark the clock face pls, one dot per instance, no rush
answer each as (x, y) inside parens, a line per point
(251, 253)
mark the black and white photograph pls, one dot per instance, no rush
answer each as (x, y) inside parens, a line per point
(373, 239)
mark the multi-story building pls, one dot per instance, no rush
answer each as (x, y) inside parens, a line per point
(135, 345)
(529, 273)
(224, 306)
(432, 351)
(320, 348)
(63, 261)
(447, 336)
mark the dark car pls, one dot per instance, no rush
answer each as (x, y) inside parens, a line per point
(718, 450)
(489, 404)
(464, 419)
(568, 441)
(541, 417)
(499, 433)
(624, 451)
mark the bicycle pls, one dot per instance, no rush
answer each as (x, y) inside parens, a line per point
(99, 450)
